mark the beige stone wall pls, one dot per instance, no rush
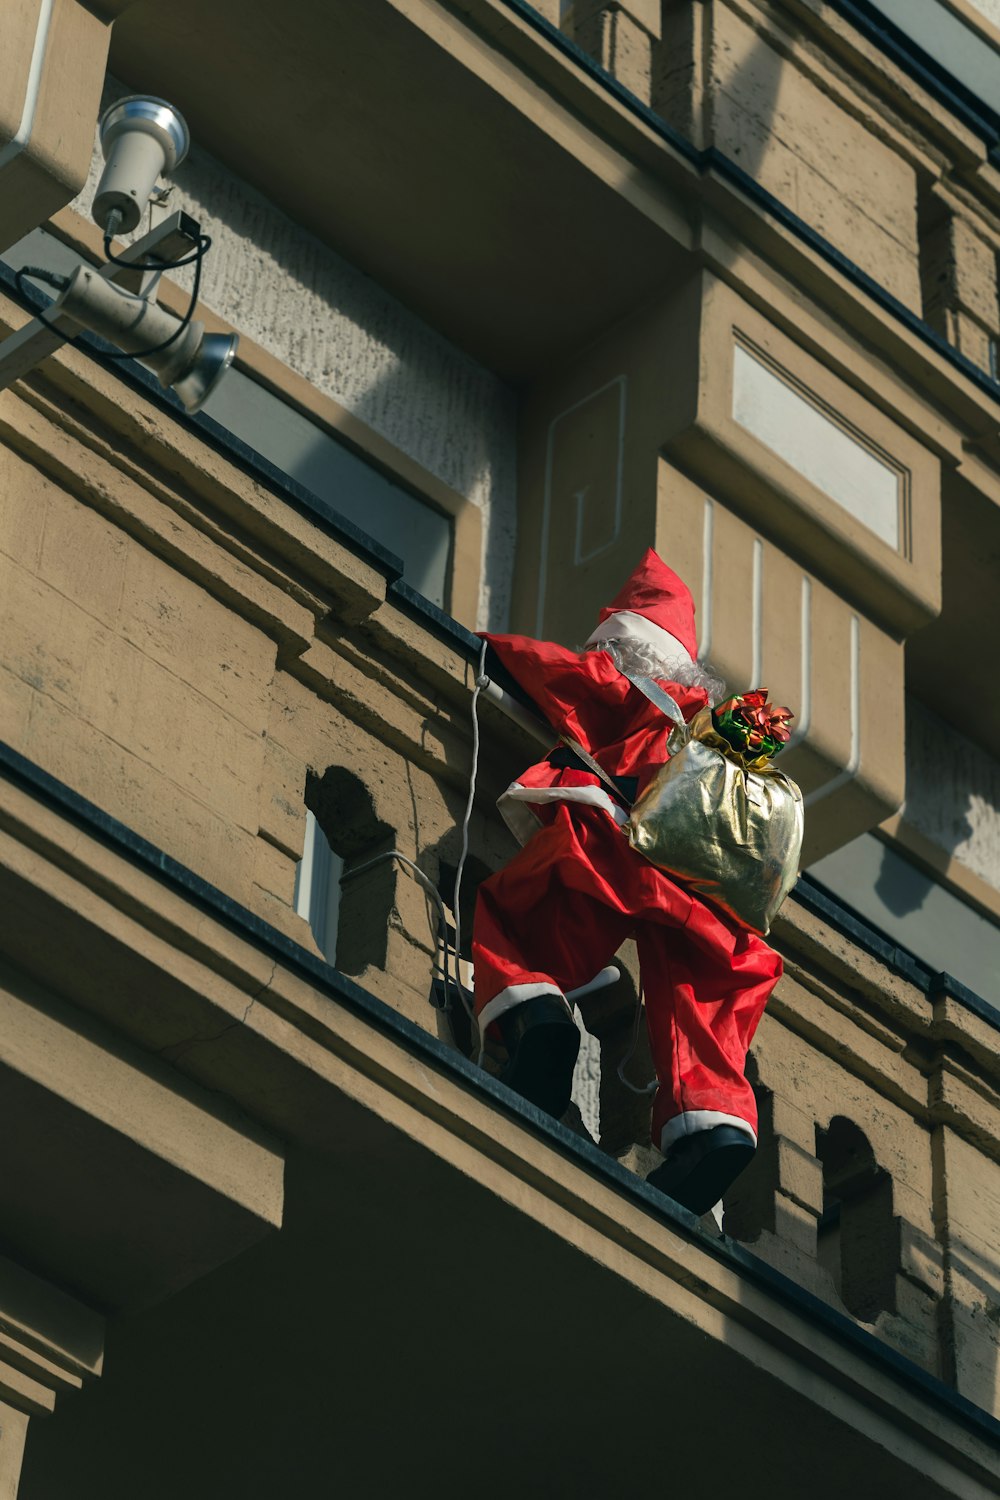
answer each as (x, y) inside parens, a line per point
(123, 676)
(968, 1212)
(960, 299)
(189, 651)
(953, 794)
(816, 114)
(818, 1067)
(192, 656)
(913, 1089)
(794, 132)
(622, 37)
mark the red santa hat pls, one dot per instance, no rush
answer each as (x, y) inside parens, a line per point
(655, 606)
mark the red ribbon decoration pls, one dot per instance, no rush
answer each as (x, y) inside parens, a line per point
(759, 717)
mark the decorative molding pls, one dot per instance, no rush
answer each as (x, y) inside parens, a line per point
(820, 444)
(804, 716)
(707, 544)
(854, 763)
(757, 615)
(33, 87)
(770, 623)
(579, 497)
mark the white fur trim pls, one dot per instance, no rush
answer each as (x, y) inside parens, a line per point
(625, 623)
(521, 821)
(516, 994)
(693, 1120)
(523, 824)
(608, 975)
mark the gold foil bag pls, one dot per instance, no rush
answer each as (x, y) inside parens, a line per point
(729, 827)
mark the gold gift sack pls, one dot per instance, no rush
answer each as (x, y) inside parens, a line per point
(730, 828)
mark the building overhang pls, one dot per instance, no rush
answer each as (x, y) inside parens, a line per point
(398, 133)
(50, 88)
(519, 1252)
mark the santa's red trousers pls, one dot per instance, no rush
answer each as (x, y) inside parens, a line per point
(560, 910)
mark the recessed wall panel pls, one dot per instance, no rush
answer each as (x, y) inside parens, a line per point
(823, 451)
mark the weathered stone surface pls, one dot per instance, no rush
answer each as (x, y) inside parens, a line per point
(282, 798)
(969, 1210)
(174, 621)
(150, 587)
(274, 871)
(816, 157)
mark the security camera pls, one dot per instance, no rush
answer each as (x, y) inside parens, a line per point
(182, 355)
(142, 138)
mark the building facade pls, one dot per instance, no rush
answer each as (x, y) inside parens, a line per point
(521, 290)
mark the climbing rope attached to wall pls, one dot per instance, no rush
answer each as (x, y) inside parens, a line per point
(433, 893)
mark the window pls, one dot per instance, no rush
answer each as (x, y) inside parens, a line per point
(857, 1241)
(317, 888)
(955, 42)
(827, 453)
(915, 911)
(418, 534)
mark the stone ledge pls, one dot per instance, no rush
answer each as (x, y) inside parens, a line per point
(312, 1038)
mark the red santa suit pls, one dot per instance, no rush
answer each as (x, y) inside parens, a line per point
(560, 910)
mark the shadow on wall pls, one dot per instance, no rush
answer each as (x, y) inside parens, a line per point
(952, 798)
(858, 1235)
(344, 810)
(902, 888)
(341, 330)
(687, 64)
(334, 325)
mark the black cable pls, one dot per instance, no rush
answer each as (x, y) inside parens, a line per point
(156, 262)
(38, 273)
(51, 278)
(204, 241)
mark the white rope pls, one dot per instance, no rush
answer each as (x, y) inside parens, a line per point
(481, 681)
(431, 890)
(650, 1088)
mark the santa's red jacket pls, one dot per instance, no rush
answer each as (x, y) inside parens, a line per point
(584, 696)
(560, 910)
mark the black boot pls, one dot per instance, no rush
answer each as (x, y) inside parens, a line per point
(700, 1167)
(542, 1042)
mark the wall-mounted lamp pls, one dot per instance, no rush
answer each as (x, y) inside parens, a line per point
(142, 138)
(181, 354)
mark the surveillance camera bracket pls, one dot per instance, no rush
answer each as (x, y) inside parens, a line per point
(177, 237)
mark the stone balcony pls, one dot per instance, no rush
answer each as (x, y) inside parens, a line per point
(158, 570)
(211, 1119)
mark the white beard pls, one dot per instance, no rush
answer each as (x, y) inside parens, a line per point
(644, 660)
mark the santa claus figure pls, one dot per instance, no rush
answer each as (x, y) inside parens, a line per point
(559, 911)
